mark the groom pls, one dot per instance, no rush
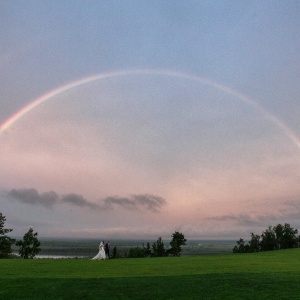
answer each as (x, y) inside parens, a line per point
(107, 250)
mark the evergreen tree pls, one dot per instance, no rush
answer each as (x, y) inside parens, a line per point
(5, 241)
(159, 248)
(147, 250)
(114, 253)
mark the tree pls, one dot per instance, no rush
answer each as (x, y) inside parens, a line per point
(268, 240)
(254, 244)
(159, 248)
(177, 241)
(5, 241)
(136, 252)
(30, 245)
(240, 247)
(147, 250)
(273, 238)
(114, 253)
(286, 236)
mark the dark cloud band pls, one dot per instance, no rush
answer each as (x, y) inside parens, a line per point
(33, 197)
(142, 202)
(135, 202)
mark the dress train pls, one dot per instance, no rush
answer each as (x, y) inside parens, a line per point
(101, 253)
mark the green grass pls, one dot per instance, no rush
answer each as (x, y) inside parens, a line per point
(268, 275)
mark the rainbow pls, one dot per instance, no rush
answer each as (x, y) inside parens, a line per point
(32, 105)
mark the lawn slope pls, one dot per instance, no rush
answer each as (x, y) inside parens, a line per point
(268, 275)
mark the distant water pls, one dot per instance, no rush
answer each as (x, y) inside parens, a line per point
(58, 248)
(52, 256)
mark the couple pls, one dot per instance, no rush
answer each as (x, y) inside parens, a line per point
(103, 251)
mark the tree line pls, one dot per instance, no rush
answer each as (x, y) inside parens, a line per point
(29, 246)
(158, 249)
(273, 238)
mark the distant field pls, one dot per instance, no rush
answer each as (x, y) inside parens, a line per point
(89, 247)
(268, 275)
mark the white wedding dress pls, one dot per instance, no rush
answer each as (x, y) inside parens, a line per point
(101, 253)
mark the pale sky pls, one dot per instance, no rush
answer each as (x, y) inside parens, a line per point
(133, 119)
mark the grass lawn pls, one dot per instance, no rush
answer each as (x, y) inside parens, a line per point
(268, 275)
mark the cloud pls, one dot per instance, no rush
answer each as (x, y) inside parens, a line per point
(150, 202)
(33, 197)
(143, 202)
(245, 220)
(239, 219)
(288, 213)
(292, 209)
(135, 202)
(112, 202)
(77, 200)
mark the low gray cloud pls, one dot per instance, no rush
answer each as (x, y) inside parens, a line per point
(150, 202)
(240, 219)
(143, 202)
(33, 197)
(78, 200)
(111, 202)
(288, 214)
(135, 202)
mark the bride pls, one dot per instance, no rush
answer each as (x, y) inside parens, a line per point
(101, 253)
